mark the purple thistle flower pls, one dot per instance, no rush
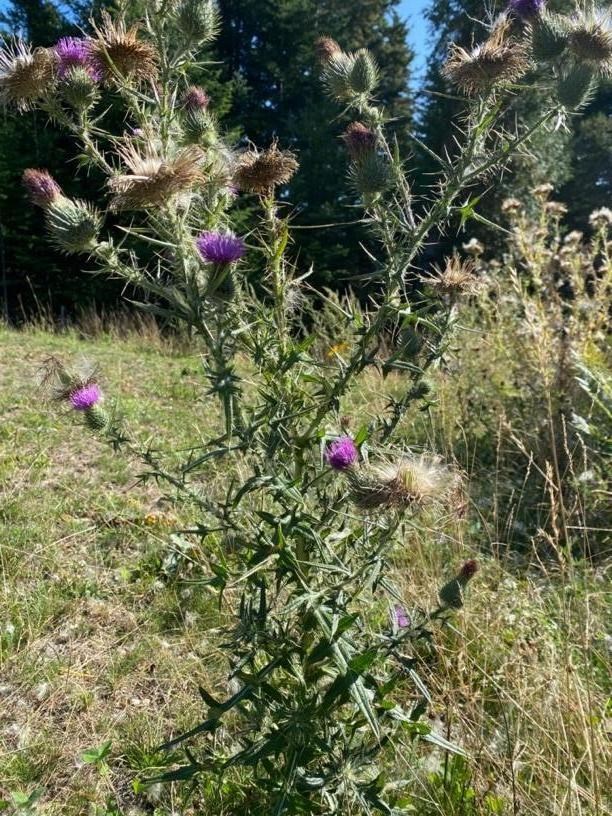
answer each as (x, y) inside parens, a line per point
(85, 397)
(74, 52)
(41, 187)
(342, 453)
(402, 620)
(195, 99)
(220, 248)
(526, 9)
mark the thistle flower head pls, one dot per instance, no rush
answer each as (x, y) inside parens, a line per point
(260, 172)
(573, 238)
(542, 191)
(601, 217)
(195, 99)
(401, 619)
(25, 74)
(41, 187)
(117, 50)
(412, 482)
(526, 9)
(590, 39)
(474, 247)
(326, 48)
(451, 595)
(498, 59)
(153, 179)
(359, 140)
(342, 453)
(75, 52)
(59, 383)
(555, 208)
(85, 396)
(220, 248)
(457, 277)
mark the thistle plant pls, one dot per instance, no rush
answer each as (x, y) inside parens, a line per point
(299, 538)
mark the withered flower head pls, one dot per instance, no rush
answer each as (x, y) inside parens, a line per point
(152, 179)
(456, 278)
(542, 191)
(555, 208)
(601, 217)
(412, 482)
(359, 140)
(260, 172)
(326, 48)
(474, 247)
(195, 98)
(117, 50)
(590, 40)
(25, 74)
(573, 238)
(498, 59)
(510, 206)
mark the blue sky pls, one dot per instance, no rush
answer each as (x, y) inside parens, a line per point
(413, 10)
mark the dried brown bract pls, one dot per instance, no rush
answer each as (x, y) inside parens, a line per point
(25, 74)
(153, 180)
(260, 172)
(117, 50)
(499, 59)
(456, 278)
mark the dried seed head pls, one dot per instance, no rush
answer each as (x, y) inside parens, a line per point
(555, 208)
(542, 191)
(573, 238)
(117, 50)
(261, 172)
(456, 278)
(326, 48)
(511, 206)
(41, 187)
(412, 482)
(474, 247)
(26, 75)
(153, 180)
(590, 39)
(601, 217)
(498, 59)
(359, 140)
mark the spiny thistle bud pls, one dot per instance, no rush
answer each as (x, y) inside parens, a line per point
(601, 218)
(363, 75)
(117, 51)
(590, 40)
(371, 174)
(79, 89)
(526, 9)
(198, 124)
(326, 48)
(359, 140)
(498, 59)
(451, 594)
(153, 179)
(336, 75)
(26, 75)
(549, 36)
(72, 225)
(456, 278)
(412, 482)
(342, 453)
(41, 187)
(198, 20)
(261, 172)
(576, 87)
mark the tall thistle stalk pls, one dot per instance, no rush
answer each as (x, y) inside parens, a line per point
(299, 536)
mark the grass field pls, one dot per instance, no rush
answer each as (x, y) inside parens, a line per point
(106, 630)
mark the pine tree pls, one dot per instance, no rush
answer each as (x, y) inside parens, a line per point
(268, 47)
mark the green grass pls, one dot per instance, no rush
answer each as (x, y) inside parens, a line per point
(106, 630)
